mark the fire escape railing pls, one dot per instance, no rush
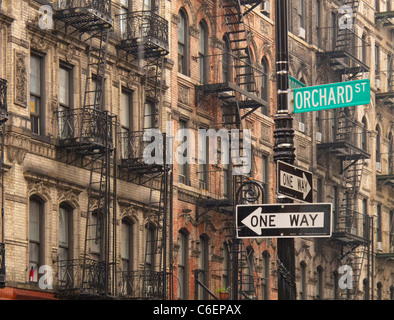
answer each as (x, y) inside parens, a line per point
(145, 33)
(85, 126)
(101, 6)
(141, 284)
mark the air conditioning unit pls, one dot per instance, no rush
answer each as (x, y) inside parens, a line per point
(377, 83)
(318, 136)
(302, 33)
(301, 126)
(266, 7)
(378, 167)
(379, 246)
(353, 230)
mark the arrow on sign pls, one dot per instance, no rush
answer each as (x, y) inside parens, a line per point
(296, 183)
(256, 219)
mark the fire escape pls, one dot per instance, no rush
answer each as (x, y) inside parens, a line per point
(145, 39)
(343, 54)
(3, 120)
(385, 97)
(237, 92)
(349, 145)
(86, 136)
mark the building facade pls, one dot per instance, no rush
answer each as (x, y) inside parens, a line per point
(87, 84)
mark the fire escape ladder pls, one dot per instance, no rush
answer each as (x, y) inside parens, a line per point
(88, 132)
(3, 120)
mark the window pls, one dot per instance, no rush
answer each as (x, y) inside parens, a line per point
(203, 159)
(226, 265)
(301, 18)
(334, 31)
(183, 168)
(126, 100)
(335, 206)
(377, 60)
(366, 289)
(379, 223)
(264, 85)
(126, 246)
(249, 272)
(183, 34)
(36, 236)
(149, 115)
(96, 230)
(364, 135)
(264, 177)
(318, 22)
(289, 17)
(124, 9)
(65, 232)
(319, 284)
(149, 247)
(319, 193)
(265, 276)
(389, 71)
(149, 5)
(318, 121)
(203, 267)
(364, 48)
(65, 99)
(365, 217)
(183, 258)
(302, 117)
(303, 293)
(36, 95)
(377, 5)
(377, 154)
(203, 52)
(226, 60)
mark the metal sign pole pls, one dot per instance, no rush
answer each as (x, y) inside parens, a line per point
(284, 146)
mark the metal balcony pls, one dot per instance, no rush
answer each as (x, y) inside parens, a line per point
(85, 15)
(3, 101)
(217, 191)
(136, 154)
(76, 278)
(385, 176)
(141, 285)
(144, 34)
(351, 227)
(343, 57)
(385, 18)
(85, 130)
(351, 141)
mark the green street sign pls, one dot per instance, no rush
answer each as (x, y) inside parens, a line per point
(330, 96)
(294, 83)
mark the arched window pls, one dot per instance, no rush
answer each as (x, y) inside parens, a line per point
(183, 264)
(183, 35)
(65, 232)
(203, 52)
(126, 246)
(264, 85)
(379, 291)
(364, 48)
(36, 236)
(226, 60)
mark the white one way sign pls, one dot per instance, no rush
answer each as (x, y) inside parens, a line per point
(284, 220)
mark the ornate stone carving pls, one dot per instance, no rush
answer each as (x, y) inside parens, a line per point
(20, 79)
(183, 94)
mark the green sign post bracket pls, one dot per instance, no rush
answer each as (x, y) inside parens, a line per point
(330, 96)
